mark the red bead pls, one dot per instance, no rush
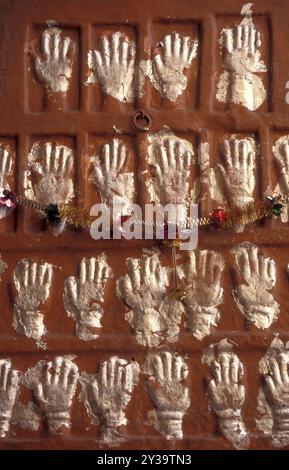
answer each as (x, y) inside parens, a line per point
(7, 199)
(218, 217)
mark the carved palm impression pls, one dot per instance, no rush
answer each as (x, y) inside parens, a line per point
(226, 391)
(166, 373)
(171, 158)
(273, 397)
(253, 299)
(84, 295)
(107, 394)
(114, 184)
(9, 386)
(281, 153)
(54, 385)
(113, 66)
(202, 276)
(49, 175)
(154, 316)
(53, 66)
(240, 83)
(32, 281)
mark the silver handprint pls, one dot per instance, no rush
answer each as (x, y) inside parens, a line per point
(107, 394)
(281, 153)
(171, 158)
(168, 67)
(9, 386)
(84, 294)
(166, 372)
(233, 182)
(32, 282)
(113, 66)
(226, 392)
(239, 83)
(154, 316)
(273, 397)
(48, 178)
(54, 385)
(6, 165)
(253, 299)
(204, 293)
(54, 66)
(113, 183)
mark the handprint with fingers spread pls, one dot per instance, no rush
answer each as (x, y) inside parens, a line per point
(53, 66)
(83, 295)
(5, 171)
(113, 183)
(281, 153)
(239, 84)
(168, 67)
(171, 158)
(253, 299)
(53, 164)
(33, 283)
(9, 385)
(54, 385)
(154, 316)
(107, 394)
(166, 372)
(235, 179)
(226, 392)
(204, 293)
(273, 398)
(113, 66)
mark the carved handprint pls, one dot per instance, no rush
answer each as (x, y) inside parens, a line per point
(54, 163)
(83, 295)
(274, 395)
(54, 67)
(241, 49)
(33, 282)
(227, 393)
(204, 293)
(242, 59)
(168, 67)
(9, 385)
(171, 159)
(153, 314)
(170, 396)
(254, 300)
(5, 171)
(281, 153)
(113, 66)
(235, 178)
(54, 385)
(113, 184)
(107, 394)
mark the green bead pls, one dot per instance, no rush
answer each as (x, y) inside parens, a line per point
(277, 209)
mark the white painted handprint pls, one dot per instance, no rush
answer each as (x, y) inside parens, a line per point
(53, 66)
(113, 66)
(84, 294)
(107, 394)
(226, 392)
(202, 275)
(253, 299)
(113, 183)
(239, 83)
(165, 385)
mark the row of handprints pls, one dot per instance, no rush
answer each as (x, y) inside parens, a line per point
(107, 393)
(154, 313)
(117, 71)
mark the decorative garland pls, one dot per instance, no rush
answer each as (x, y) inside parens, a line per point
(218, 218)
